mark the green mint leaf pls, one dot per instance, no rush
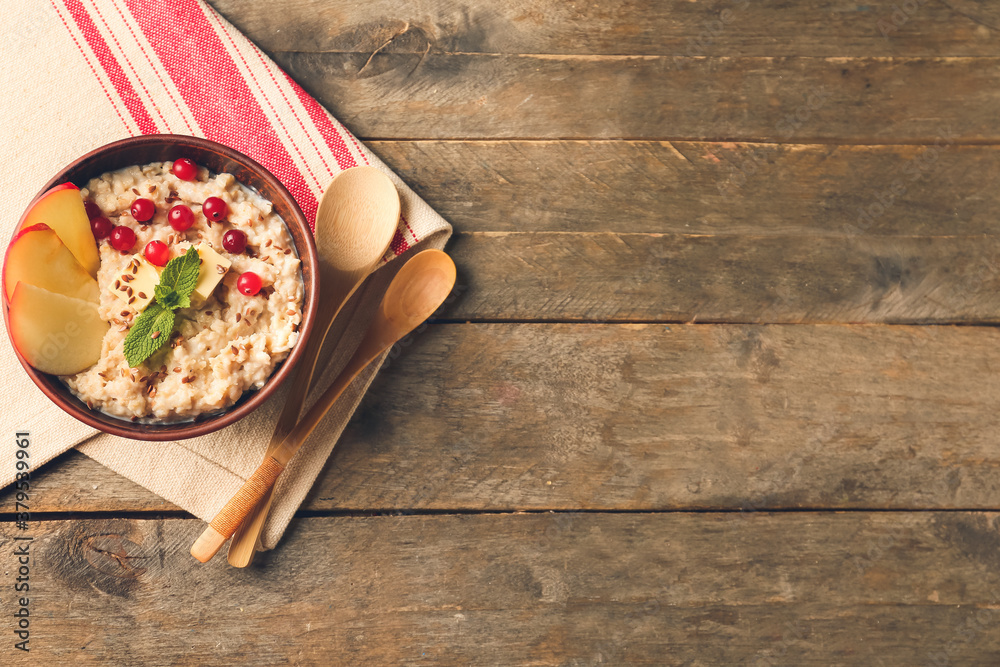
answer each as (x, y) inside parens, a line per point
(168, 298)
(150, 331)
(179, 277)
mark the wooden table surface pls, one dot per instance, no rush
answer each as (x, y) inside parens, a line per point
(718, 389)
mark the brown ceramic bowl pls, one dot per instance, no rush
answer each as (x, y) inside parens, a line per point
(218, 158)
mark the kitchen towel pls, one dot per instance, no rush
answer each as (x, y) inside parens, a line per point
(78, 74)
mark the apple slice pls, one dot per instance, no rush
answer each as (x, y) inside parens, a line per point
(36, 256)
(55, 333)
(62, 210)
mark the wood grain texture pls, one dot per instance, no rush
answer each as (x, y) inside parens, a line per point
(665, 417)
(803, 589)
(644, 27)
(649, 417)
(475, 96)
(703, 187)
(607, 277)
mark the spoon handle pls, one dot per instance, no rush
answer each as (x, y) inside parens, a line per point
(247, 536)
(416, 291)
(254, 489)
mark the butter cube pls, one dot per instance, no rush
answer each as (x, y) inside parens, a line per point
(213, 269)
(136, 283)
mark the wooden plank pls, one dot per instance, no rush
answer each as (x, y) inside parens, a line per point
(650, 417)
(75, 483)
(607, 277)
(802, 100)
(703, 187)
(645, 27)
(664, 417)
(796, 588)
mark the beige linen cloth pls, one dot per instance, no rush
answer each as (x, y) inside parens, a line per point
(77, 74)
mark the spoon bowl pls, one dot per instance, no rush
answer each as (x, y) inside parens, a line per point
(417, 290)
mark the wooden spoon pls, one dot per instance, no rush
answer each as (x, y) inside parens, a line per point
(419, 288)
(357, 217)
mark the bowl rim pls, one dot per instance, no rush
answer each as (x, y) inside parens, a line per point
(187, 429)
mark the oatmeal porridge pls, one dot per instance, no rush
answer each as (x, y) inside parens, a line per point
(245, 310)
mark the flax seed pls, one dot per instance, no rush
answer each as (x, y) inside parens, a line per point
(288, 251)
(128, 291)
(239, 316)
(152, 188)
(220, 268)
(268, 244)
(233, 348)
(155, 335)
(118, 284)
(90, 406)
(128, 278)
(177, 369)
(130, 300)
(209, 313)
(143, 378)
(289, 312)
(124, 313)
(142, 295)
(188, 379)
(135, 191)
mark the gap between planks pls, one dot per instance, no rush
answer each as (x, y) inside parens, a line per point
(159, 515)
(742, 140)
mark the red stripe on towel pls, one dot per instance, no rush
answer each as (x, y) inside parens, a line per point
(122, 86)
(214, 89)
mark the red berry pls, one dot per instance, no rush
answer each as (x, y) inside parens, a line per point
(143, 210)
(93, 210)
(185, 169)
(101, 227)
(215, 209)
(249, 283)
(234, 241)
(122, 238)
(157, 253)
(181, 218)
